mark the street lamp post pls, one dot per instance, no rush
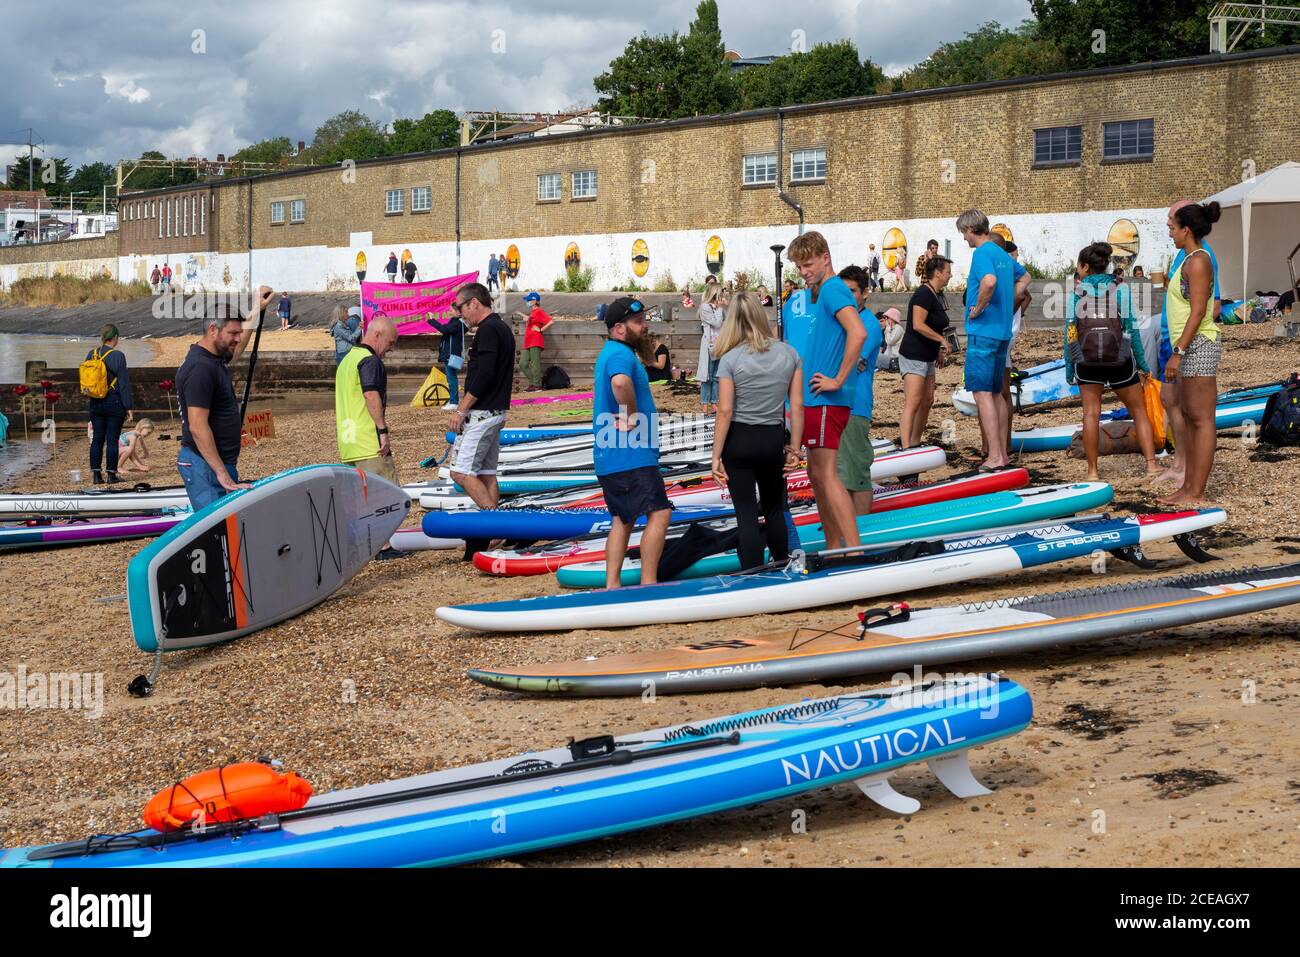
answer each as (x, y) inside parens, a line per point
(777, 249)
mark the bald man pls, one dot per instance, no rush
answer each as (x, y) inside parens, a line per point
(360, 398)
(1177, 471)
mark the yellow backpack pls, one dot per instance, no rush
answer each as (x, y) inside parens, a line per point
(94, 376)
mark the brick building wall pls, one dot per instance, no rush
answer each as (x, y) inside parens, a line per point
(102, 247)
(181, 220)
(913, 156)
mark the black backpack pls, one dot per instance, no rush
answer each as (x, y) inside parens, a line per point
(1281, 421)
(555, 378)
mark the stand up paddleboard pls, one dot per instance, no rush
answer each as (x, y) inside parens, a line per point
(899, 637)
(84, 531)
(832, 578)
(1029, 387)
(598, 787)
(258, 556)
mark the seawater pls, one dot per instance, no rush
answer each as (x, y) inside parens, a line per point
(58, 352)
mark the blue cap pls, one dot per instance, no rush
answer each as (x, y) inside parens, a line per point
(532, 297)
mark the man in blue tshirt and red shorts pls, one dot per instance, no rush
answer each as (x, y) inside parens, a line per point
(835, 339)
(994, 284)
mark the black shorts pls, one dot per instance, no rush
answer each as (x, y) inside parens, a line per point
(635, 492)
(1117, 377)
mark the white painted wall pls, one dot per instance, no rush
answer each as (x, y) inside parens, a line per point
(1048, 240)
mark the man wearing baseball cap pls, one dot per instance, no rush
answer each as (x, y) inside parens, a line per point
(530, 363)
(626, 453)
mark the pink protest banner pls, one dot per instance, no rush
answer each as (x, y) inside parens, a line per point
(410, 304)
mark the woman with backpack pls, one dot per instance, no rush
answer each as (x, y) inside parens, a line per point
(106, 383)
(1191, 372)
(1103, 349)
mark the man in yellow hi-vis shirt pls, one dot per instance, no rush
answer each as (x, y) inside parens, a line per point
(360, 397)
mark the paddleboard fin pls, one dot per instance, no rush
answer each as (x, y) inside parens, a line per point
(878, 788)
(953, 772)
(1188, 545)
(1134, 554)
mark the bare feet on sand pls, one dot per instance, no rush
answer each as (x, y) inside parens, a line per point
(1167, 475)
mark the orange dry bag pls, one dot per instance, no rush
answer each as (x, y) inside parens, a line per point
(234, 793)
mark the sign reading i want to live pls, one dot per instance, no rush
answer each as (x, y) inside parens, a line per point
(258, 426)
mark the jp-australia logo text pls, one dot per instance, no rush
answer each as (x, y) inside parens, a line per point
(75, 909)
(23, 690)
(874, 749)
(1112, 538)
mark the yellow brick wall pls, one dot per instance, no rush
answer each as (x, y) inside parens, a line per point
(104, 247)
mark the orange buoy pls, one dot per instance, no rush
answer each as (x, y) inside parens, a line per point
(235, 792)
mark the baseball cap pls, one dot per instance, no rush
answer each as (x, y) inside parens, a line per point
(532, 297)
(621, 309)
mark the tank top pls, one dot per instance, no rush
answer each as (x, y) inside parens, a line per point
(1178, 306)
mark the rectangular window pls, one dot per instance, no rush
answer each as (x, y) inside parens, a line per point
(1129, 139)
(169, 217)
(298, 211)
(807, 165)
(584, 184)
(277, 213)
(160, 219)
(548, 187)
(203, 217)
(760, 168)
(393, 201)
(185, 215)
(1060, 144)
(421, 199)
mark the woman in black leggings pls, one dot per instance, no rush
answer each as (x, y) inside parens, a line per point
(109, 412)
(751, 450)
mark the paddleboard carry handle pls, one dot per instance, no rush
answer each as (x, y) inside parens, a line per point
(876, 617)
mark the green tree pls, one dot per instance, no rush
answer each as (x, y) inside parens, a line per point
(330, 133)
(708, 85)
(433, 131)
(271, 152)
(50, 173)
(829, 71)
(91, 178)
(158, 177)
(359, 144)
(990, 52)
(646, 79)
(1135, 32)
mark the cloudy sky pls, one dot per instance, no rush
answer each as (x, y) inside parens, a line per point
(102, 85)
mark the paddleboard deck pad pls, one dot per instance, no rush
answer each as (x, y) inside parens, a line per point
(600, 786)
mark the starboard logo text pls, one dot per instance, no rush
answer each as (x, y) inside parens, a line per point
(1113, 538)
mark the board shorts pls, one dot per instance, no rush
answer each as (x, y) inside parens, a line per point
(1202, 358)
(1115, 377)
(479, 443)
(823, 425)
(634, 492)
(919, 367)
(381, 465)
(986, 363)
(856, 455)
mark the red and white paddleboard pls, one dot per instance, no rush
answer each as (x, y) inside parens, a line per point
(545, 559)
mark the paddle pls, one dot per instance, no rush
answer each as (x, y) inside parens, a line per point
(252, 364)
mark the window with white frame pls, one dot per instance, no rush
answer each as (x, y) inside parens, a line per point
(185, 215)
(203, 217)
(807, 165)
(421, 199)
(760, 168)
(298, 211)
(548, 187)
(160, 219)
(169, 217)
(584, 184)
(393, 201)
(277, 213)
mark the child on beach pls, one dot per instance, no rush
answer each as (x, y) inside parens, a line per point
(134, 456)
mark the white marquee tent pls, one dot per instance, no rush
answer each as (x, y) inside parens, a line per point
(1259, 228)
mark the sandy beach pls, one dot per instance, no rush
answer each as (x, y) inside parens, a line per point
(1174, 749)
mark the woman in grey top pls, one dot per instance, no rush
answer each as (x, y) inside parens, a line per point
(706, 372)
(751, 450)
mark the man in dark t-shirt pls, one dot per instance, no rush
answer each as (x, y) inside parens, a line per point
(210, 422)
(486, 399)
